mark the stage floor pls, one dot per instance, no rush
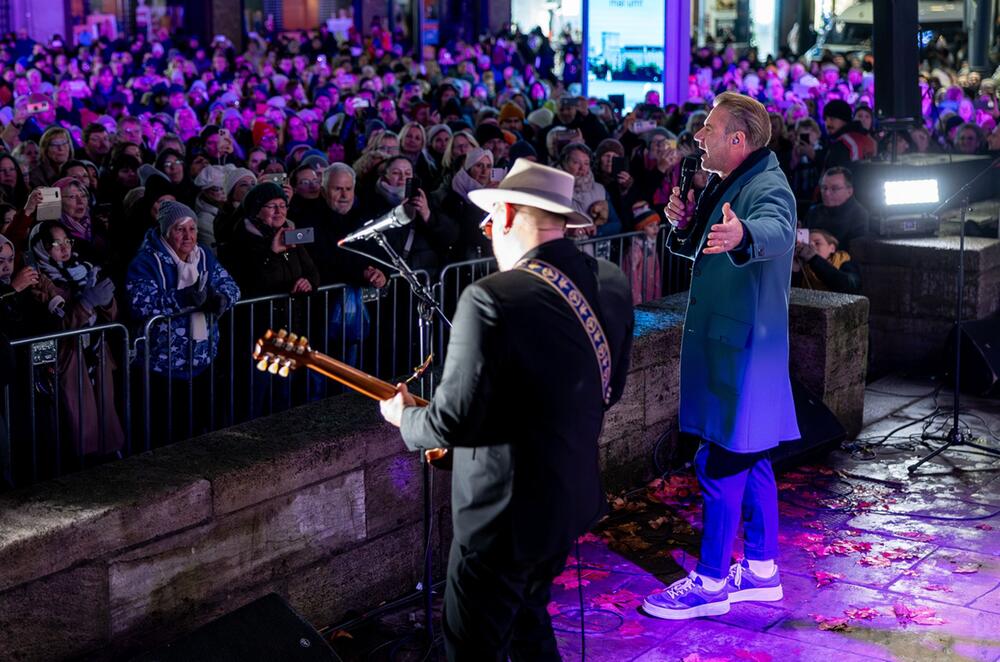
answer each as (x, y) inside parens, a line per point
(876, 564)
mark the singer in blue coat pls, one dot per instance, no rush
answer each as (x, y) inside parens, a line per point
(735, 389)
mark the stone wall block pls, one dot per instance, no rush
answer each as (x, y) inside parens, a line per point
(89, 514)
(154, 583)
(628, 414)
(57, 617)
(382, 568)
(662, 392)
(393, 492)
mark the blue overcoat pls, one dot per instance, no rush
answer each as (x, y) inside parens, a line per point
(735, 389)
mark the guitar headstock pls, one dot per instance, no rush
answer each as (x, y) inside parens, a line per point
(281, 352)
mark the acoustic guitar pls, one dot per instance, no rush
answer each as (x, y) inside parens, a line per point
(280, 353)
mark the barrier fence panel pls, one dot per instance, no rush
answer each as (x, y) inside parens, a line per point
(375, 330)
(66, 406)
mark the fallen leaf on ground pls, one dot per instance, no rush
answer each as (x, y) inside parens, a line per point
(568, 579)
(918, 615)
(823, 578)
(967, 568)
(631, 629)
(910, 572)
(753, 656)
(900, 554)
(938, 587)
(618, 602)
(915, 535)
(553, 609)
(589, 537)
(835, 623)
(984, 527)
(875, 561)
(862, 613)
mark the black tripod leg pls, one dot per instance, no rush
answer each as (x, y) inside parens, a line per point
(985, 449)
(931, 456)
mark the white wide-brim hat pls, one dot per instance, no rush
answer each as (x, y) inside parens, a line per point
(534, 185)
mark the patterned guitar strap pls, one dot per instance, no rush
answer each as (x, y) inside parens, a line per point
(581, 307)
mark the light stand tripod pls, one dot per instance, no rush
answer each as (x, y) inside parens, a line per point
(427, 306)
(955, 436)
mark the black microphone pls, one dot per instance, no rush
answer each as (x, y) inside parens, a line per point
(394, 218)
(689, 166)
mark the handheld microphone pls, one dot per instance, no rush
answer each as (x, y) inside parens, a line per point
(689, 166)
(394, 218)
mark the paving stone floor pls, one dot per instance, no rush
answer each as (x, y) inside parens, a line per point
(876, 563)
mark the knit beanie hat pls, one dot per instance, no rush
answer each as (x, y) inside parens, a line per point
(541, 118)
(211, 176)
(146, 171)
(474, 156)
(838, 109)
(521, 149)
(488, 132)
(234, 176)
(436, 129)
(262, 128)
(609, 145)
(511, 111)
(260, 195)
(172, 212)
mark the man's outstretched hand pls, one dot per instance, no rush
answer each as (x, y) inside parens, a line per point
(725, 236)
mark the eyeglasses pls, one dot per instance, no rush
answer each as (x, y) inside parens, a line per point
(832, 189)
(276, 207)
(487, 227)
(62, 242)
(309, 183)
(75, 196)
(171, 164)
(58, 143)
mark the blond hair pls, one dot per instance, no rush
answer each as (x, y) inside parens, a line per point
(748, 115)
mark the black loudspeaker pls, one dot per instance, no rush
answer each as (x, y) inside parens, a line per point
(897, 94)
(265, 630)
(819, 427)
(980, 366)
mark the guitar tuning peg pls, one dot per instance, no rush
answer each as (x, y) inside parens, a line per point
(282, 333)
(262, 364)
(273, 367)
(283, 370)
(291, 339)
(257, 349)
(303, 343)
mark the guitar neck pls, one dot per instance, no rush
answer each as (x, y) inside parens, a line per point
(353, 378)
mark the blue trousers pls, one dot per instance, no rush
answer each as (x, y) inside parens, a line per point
(735, 485)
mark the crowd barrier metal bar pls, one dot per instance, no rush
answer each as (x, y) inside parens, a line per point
(98, 335)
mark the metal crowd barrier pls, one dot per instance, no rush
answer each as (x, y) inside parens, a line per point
(382, 340)
(652, 270)
(375, 330)
(67, 404)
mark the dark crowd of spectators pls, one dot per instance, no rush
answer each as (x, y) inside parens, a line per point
(181, 164)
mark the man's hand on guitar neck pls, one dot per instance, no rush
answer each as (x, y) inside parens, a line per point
(392, 409)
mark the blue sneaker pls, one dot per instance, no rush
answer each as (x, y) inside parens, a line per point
(744, 586)
(687, 598)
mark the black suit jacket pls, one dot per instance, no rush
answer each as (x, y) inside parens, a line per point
(520, 404)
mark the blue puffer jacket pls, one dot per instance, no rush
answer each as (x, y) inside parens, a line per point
(152, 290)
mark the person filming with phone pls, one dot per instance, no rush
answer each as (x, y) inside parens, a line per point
(424, 240)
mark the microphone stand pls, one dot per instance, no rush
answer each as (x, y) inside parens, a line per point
(955, 436)
(427, 307)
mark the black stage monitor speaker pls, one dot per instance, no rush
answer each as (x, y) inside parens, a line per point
(897, 94)
(265, 630)
(820, 429)
(980, 366)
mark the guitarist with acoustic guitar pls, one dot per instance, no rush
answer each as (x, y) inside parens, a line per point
(538, 352)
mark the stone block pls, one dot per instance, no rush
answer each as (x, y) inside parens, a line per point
(255, 461)
(159, 581)
(60, 616)
(628, 414)
(393, 493)
(86, 515)
(662, 392)
(382, 568)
